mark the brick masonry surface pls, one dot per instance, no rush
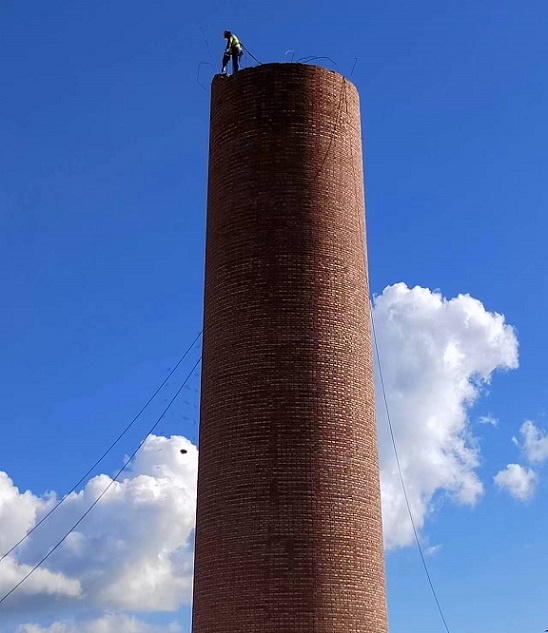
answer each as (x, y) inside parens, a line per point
(288, 536)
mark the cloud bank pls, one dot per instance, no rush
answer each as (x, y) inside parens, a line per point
(133, 551)
(107, 624)
(437, 354)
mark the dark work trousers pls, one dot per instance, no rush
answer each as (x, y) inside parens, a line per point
(235, 53)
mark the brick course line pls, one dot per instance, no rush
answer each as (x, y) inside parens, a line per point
(289, 533)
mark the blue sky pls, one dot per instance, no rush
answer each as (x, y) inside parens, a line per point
(103, 168)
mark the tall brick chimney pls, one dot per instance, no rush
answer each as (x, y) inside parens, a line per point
(288, 536)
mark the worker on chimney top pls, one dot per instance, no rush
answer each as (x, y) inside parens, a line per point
(233, 49)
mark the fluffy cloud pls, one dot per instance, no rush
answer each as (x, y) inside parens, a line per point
(436, 356)
(15, 524)
(517, 480)
(107, 624)
(488, 419)
(42, 581)
(18, 513)
(132, 552)
(535, 442)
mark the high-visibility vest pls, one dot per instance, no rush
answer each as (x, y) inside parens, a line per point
(233, 42)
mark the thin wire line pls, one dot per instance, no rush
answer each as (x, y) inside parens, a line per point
(334, 131)
(104, 454)
(353, 67)
(251, 54)
(59, 543)
(198, 73)
(312, 58)
(207, 46)
(401, 472)
(381, 376)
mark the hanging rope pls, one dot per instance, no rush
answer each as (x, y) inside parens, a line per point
(251, 54)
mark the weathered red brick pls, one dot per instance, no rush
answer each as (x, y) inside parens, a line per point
(288, 536)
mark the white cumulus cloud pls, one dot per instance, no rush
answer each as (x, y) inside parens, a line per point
(517, 480)
(112, 623)
(134, 549)
(42, 581)
(436, 356)
(535, 442)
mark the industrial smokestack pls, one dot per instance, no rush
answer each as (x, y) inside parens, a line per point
(288, 536)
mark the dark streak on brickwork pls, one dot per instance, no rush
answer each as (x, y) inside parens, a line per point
(288, 524)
